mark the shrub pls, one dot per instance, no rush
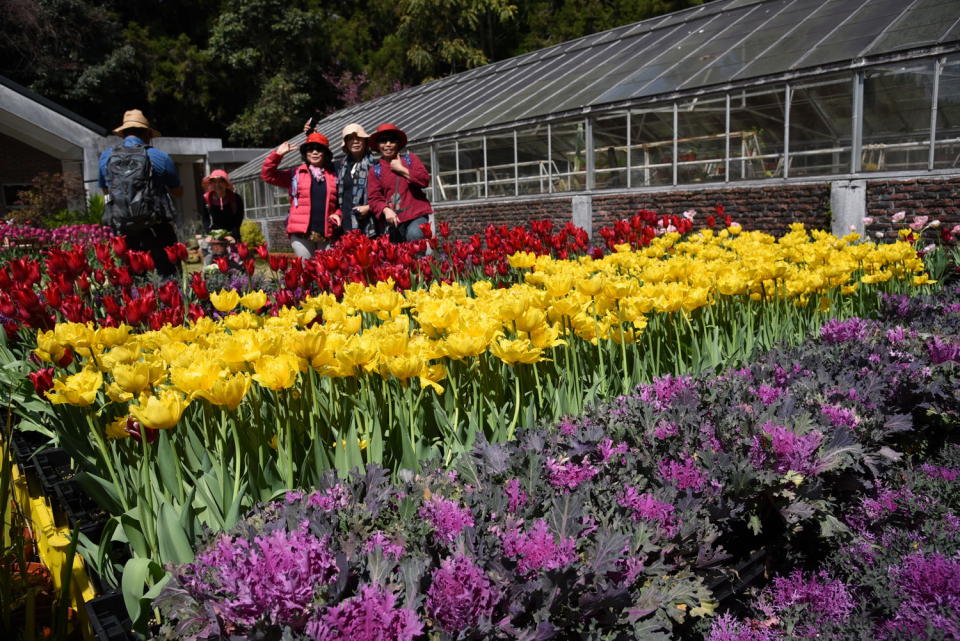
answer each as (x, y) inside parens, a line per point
(251, 234)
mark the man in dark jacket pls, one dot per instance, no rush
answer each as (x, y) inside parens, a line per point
(160, 232)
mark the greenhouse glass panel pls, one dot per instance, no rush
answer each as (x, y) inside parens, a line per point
(757, 120)
(923, 24)
(533, 175)
(471, 168)
(947, 149)
(651, 146)
(501, 165)
(896, 116)
(447, 174)
(701, 140)
(610, 151)
(568, 155)
(854, 34)
(821, 126)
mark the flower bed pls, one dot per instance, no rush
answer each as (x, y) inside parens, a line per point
(608, 526)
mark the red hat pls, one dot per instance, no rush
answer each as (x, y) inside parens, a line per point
(317, 139)
(215, 174)
(385, 127)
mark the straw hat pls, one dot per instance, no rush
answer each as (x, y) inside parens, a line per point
(353, 129)
(134, 119)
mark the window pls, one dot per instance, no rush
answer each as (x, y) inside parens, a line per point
(820, 126)
(568, 157)
(947, 148)
(533, 170)
(701, 140)
(610, 151)
(651, 151)
(757, 120)
(896, 116)
(501, 165)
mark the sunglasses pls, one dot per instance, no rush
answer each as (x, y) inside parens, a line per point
(388, 138)
(313, 148)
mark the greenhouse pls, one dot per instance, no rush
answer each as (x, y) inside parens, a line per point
(734, 91)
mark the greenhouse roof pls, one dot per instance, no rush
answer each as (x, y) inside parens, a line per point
(722, 44)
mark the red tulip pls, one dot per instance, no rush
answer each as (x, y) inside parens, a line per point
(222, 264)
(199, 286)
(42, 380)
(119, 244)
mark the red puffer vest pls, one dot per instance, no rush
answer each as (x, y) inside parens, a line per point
(297, 182)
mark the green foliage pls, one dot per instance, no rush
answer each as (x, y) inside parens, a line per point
(251, 234)
(251, 71)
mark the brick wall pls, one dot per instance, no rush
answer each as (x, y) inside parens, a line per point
(771, 208)
(938, 199)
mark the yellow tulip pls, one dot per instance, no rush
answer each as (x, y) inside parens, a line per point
(79, 389)
(225, 300)
(522, 260)
(228, 391)
(160, 411)
(117, 394)
(531, 320)
(516, 351)
(112, 336)
(136, 377)
(198, 376)
(461, 345)
(76, 335)
(404, 366)
(117, 428)
(254, 300)
(49, 348)
(276, 372)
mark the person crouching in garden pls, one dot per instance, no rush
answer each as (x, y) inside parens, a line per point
(352, 171)
(395, 186)
(314, 211)
(222, 212)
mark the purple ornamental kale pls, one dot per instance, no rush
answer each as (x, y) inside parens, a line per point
(370, 616)
(767, 394)
(608, 450)
(727, 628)
(517, 497)
(389, 547)
(537, 549)
(840, 416)
(819, 594)
(841, 331)
(931, 587)
(275, 577)
(793, 451)
(448, 518)
(460, 595)
(937, 472)
(665, 429)
(335, 498)
(646, 508)
(941, 351)
(663, 391)
(566, 475)
(685, 475)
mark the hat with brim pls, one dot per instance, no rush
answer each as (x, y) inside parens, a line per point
(214, 175)
(385, 128)
(134, 119)
(316, 140)
(353, 129)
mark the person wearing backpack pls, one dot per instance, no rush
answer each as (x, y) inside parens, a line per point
(138, 181)
(395, 185)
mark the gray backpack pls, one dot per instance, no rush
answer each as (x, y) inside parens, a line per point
(137, 200)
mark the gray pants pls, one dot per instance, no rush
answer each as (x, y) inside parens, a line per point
(302, 245)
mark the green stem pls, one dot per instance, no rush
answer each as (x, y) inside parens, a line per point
(102, 445)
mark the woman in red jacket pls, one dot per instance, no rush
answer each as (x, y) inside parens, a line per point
(395, 185)
(314, 209)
